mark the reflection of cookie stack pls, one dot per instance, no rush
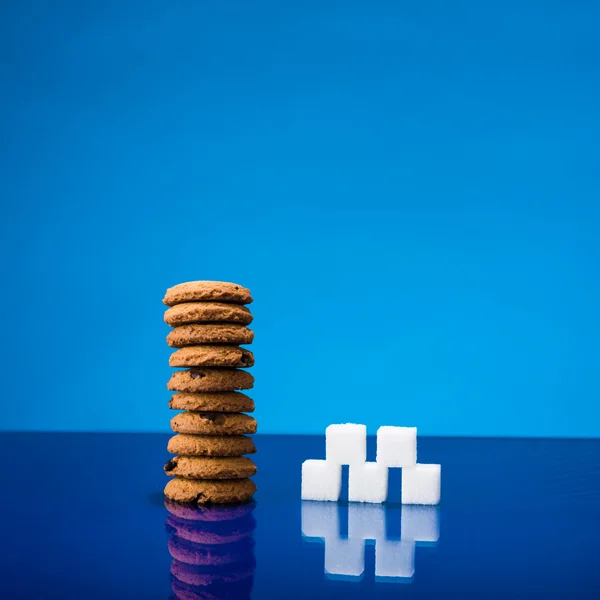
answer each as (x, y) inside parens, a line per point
(213, 551)
(209, 322)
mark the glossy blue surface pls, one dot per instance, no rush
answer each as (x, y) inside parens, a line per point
(84, 517)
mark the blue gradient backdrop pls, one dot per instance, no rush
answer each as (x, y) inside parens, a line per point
(411, 190)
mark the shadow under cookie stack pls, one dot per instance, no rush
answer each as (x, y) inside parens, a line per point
(209, 320)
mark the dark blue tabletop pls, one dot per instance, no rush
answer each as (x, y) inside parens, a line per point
(84, 517)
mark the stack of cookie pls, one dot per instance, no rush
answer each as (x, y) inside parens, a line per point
(210, 322)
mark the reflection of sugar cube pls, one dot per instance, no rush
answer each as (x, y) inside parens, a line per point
(344, 557)
(394, 559)
(366, 522)
(420, 523)
(421, 484)
(320, 520)
(368, 482)
(346, 444)
(321, 480)
(397, 446)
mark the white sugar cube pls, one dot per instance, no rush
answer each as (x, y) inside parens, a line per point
(366, 521)
(320, 520)
(421, 484)
(394, 559)
(321, 480)
(420, 523)
(368, 482)
(397, 446)
(344, 557)
(346, 444)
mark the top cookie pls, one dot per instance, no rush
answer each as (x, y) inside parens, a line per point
(207, 291)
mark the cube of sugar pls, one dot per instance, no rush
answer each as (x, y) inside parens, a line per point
(321, 480)
(420, 523)
(394, 559)
(368, 482)
(421, 484)
(346, 444)
(397, 446)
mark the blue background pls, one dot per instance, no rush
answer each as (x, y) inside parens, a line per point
(409, 189)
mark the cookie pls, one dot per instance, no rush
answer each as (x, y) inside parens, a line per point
(213, 423)
(211, 445)
(212, 356)
(207, 312)
(210, 333)
(210, 556)
(207, 291)
(210, 380)
(212, 467)
(234, 491)
(209, 514)
(220, 402)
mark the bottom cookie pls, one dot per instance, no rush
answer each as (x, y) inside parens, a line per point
(209, 491)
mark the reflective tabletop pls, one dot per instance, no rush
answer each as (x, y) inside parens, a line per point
(84, 516)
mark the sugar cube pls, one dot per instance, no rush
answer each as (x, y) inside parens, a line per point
(368, 482)
(421, 484)
(321, 480)
(346, 444)
(397, 446)
(420, 523)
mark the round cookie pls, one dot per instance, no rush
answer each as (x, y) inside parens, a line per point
(235, 491)
(201, 467)
(217, 401)
(207, 312)
(211, 445)
(212, 356)
(209, 333)
(207, 291)
(213, 423)
(210, 380)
